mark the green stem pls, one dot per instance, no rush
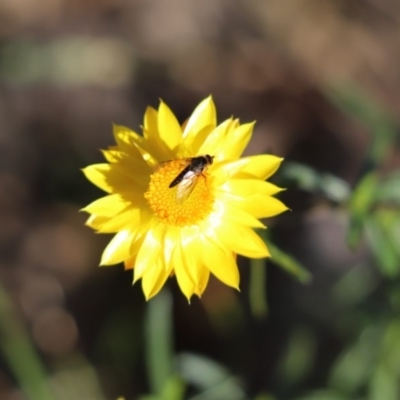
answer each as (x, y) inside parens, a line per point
(159, 341)
(258, 294)
(20, 353)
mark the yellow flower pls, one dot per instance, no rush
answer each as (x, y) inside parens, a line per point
(158, 231)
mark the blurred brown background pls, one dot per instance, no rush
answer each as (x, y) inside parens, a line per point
(69, 69)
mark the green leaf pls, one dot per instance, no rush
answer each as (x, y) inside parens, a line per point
(309, 179)
(360, 206)
(298, 360)
(352, 370)
(354, 367)
(306, 177)
(389, 220)
(289, 264)
(382, 245)
(214, 381)
(388, 189)
(383, 385)
(390, 347)
(335, 189)
(355, 285)
(364, 195)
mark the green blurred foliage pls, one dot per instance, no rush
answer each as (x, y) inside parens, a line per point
(330, 333)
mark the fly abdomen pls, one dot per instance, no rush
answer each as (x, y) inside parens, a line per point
(180, 177)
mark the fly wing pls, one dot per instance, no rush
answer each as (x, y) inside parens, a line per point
(186, 186)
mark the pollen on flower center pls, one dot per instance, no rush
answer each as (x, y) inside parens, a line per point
(163, 200)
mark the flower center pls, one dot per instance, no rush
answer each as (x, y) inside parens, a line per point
(186, 203)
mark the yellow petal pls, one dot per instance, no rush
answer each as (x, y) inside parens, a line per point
(171, 237)
(118, 249)
(133, 164)
(158, 148)
(129, 263)
(114, 178)
(204, 115)
(168, 127)
(262, 166)
(121, 177)
(191, 244)
(107, 206)
(139, 236)
(193, 145)
(248, 187)
(96, 221)
(129, 218)
(204, 275)
(98, 174)
(242, 240)
(221, 263)
(150, 123)
(112, 154)
(236, 141)
(126, 139)
(116, 156)
(154, 279)
(222, 171)
(183, 277)
(238, 215)
(215, 141)
(137, 242)
(133, 144)
(262, 206)
(150, 250)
